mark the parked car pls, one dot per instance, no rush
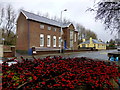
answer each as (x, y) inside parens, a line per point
(118, 48)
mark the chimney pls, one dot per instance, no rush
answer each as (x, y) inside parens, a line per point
(100, 40)
(91, 40)
(83, 40)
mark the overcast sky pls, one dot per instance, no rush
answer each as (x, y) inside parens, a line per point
(76, 11)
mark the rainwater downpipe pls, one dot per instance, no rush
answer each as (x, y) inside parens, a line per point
(28, 36)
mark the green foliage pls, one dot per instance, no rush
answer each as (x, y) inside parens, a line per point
(15, 78)
(9, 39)
(111, 43)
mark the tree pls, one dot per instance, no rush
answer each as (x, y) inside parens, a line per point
(111, 43)
(108, 13)
(64, 20)
(84, 33)
(7, 23)
(11, 40)
(55, 18)
(89, 33)
(44, 15)
(1, 14)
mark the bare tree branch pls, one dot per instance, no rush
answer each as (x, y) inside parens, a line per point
(109, 14)
(1, 15)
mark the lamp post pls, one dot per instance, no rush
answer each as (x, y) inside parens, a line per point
(3, 39)
(61, 31)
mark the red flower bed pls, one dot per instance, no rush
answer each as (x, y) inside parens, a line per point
(59, 73)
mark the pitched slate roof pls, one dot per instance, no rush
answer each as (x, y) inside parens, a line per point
(34, 17)
(93, 40)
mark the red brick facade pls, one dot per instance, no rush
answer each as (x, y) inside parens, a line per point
(22, 33)
(29, 31)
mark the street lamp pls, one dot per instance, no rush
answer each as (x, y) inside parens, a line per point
(61, 30)
(3, 39)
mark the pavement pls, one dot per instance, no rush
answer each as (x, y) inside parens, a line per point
(89, 54)
(45, 55)
(30, 57)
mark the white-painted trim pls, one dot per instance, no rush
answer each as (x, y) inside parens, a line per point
(54, 38)
(42, 26)
(48, 45)
(42, 35)
(59, 41)
(24, 13)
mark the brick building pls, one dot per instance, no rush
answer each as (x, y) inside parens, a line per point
(41, 32)
(0, 36)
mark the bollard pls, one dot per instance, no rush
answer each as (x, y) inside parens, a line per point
(30, 51)
(112, 58)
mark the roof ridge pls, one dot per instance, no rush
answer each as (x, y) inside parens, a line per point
(39, 15)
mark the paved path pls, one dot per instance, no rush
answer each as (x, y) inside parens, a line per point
(1, 50)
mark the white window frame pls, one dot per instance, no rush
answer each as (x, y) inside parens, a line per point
(71, 38)
(54, 41)
(54, 29)
(48, 42)
(60, 41)
(42, 26)
(42, 36)
(75, 38)
(71, 34)
(49, 28)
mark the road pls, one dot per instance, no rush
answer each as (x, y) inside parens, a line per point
(94, 54)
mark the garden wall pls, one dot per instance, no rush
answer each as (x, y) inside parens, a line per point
(41, 52)
(9, 52)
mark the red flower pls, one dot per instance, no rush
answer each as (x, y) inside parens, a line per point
(56, 85)
(66, 73)
(34, 77)
(43, 83)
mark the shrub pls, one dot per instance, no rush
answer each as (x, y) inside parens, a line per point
(59, 73)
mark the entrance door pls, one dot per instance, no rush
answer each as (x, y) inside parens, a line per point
(65, 44)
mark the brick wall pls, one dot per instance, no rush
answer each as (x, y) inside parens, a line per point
(35, 32)
(10, 53)
(0, 36)
(22, 33)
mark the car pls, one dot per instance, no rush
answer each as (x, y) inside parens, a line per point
(118, 48)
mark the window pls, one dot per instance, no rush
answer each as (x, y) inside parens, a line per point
(98, 46)
(54, 29)
(71, 34)
(59, 41)
(71, 38)
(54, 41)
(42, 26)
(59, 30)
(41, 40)
(48, 40)
(75, 38)
(49, 28)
